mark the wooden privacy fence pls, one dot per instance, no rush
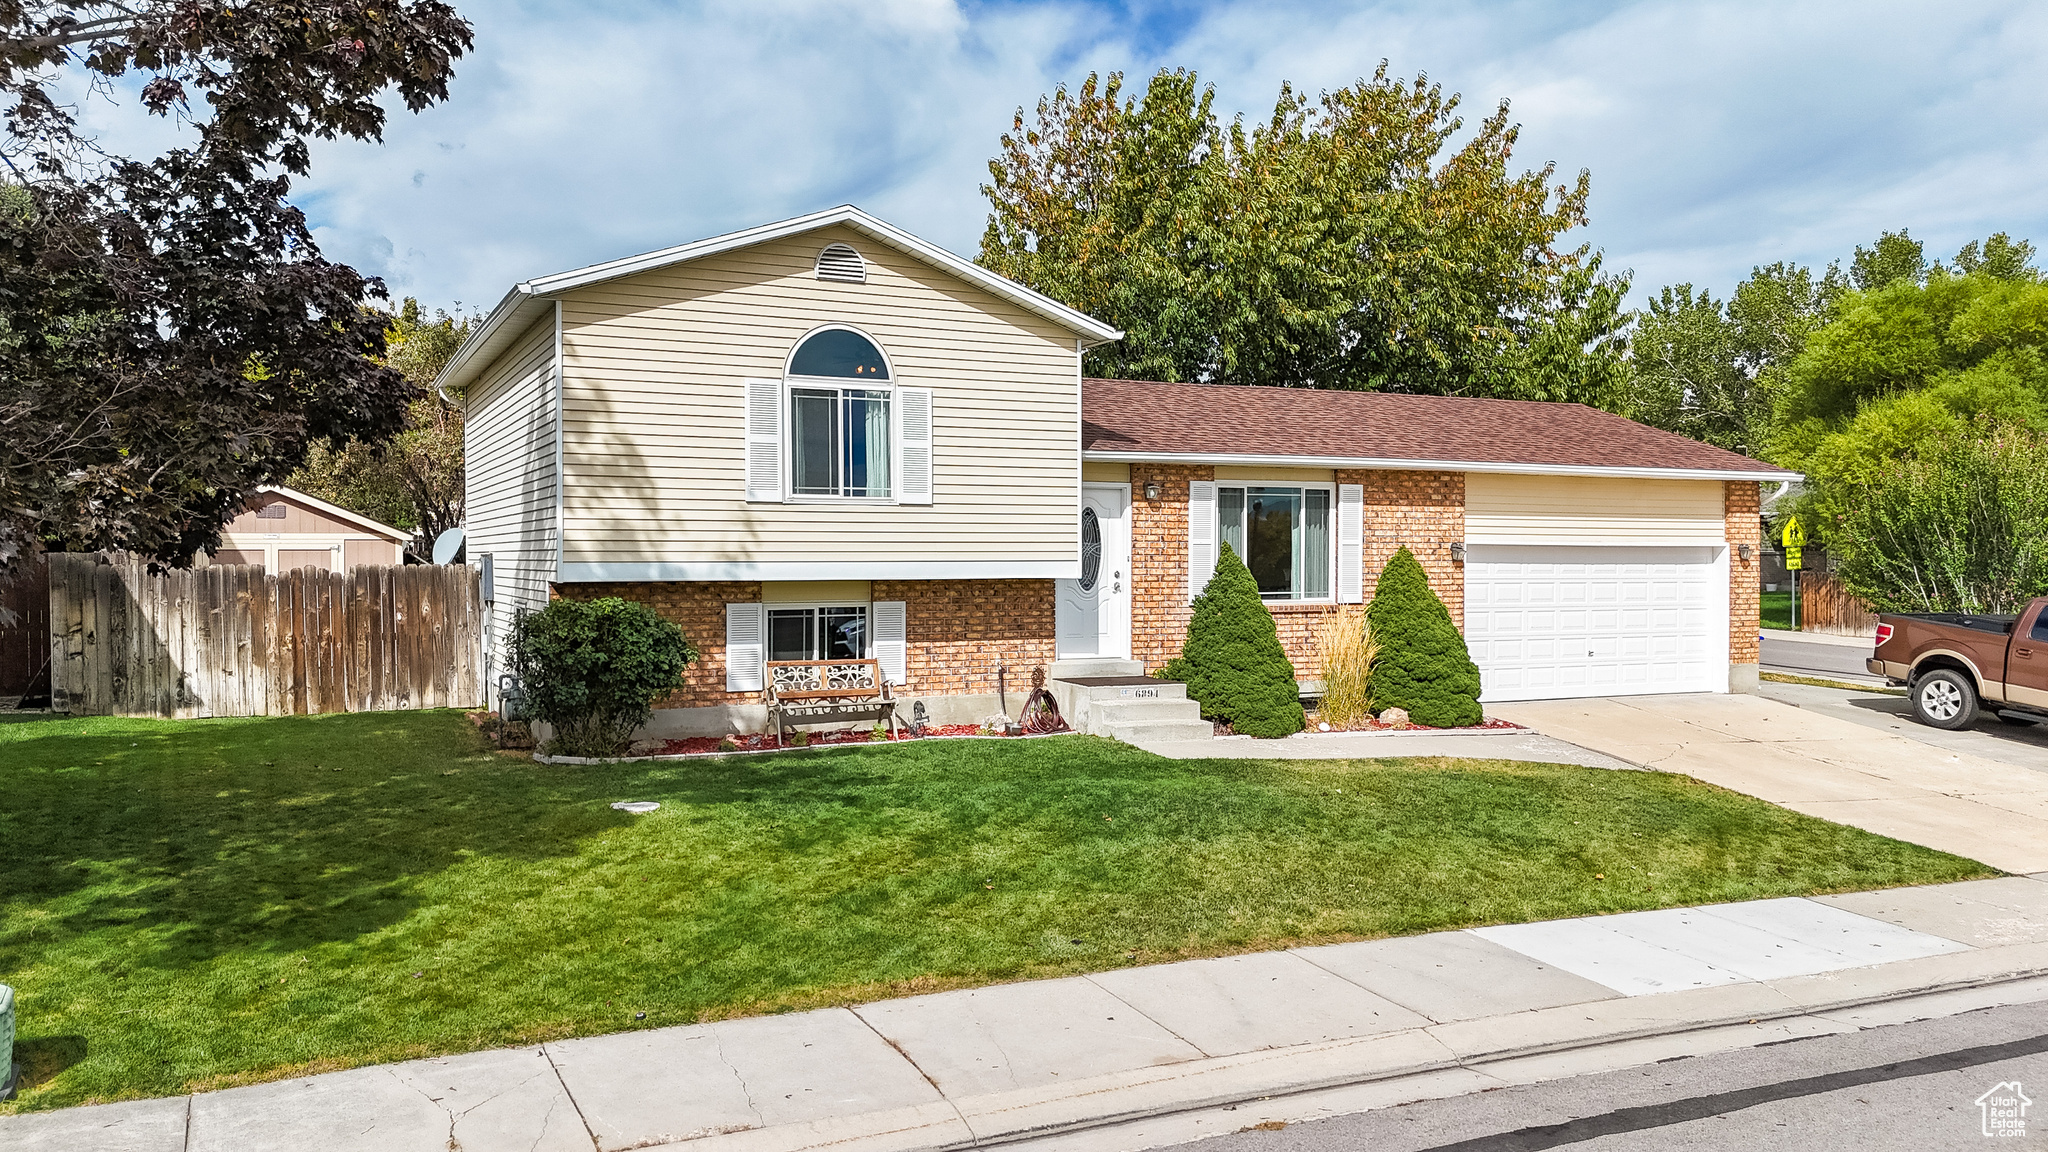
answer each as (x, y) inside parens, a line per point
(1826, 606)
(24, 643)
(231, 641)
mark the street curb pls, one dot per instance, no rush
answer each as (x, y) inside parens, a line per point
(887, 1130)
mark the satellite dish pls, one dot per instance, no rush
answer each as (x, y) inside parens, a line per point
(447, 546)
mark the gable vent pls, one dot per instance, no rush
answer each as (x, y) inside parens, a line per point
(840, 262)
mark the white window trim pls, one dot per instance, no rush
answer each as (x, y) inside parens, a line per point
(791, 380)
(1329, 487)
(772, 606)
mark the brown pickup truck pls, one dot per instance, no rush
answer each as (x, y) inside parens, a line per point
(1953, 664)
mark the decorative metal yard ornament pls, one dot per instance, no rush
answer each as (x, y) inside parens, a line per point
(10, 1074)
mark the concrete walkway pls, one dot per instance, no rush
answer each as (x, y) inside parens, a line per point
(1819, 765)
(1144, 1056)
(1502, 744)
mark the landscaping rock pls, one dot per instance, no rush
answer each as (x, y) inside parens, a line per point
(1394, 716)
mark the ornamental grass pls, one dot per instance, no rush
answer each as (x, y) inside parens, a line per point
(1346, 649)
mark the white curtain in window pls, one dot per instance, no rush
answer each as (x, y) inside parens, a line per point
(875, 430)
(1315, 544)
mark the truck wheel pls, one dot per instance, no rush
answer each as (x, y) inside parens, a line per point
(1944, 699)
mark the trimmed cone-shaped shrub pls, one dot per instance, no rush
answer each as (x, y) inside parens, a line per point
(1423, 664)
(1233, 662)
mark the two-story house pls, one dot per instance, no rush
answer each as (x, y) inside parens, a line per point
(827, 437)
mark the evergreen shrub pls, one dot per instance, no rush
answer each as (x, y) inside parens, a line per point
(592, 670)
(1423, 663)
(1232, 662)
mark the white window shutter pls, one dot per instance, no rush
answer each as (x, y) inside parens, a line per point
(892, 639)
(743, 644)
(1350, 543)
(764, 440)
(913, 445)
(1201, 535)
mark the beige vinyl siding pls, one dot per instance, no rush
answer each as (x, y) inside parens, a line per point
(509, 453)
(654, 371)
(1502, 508)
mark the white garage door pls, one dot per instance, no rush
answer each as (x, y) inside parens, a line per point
(1549, 622)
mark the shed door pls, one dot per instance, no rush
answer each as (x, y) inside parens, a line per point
(1554, 622)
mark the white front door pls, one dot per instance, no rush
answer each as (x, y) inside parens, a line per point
(1556, 622)
(1092, 615)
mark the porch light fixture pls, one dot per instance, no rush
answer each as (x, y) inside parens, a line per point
(1151, 489)
(1458, 551)
(1744, 551)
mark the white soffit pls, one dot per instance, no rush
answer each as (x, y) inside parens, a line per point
(1420, 465)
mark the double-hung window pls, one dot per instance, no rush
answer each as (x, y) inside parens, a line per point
(841, 437)
(1282, 535)
(830, 632)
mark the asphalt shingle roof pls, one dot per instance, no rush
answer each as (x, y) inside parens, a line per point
(1151, 418)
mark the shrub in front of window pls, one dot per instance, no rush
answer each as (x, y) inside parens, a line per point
(1423, 664)
(1232, 662)
(593, 669)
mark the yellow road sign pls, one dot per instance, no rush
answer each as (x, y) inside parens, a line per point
(1795, 536)
(1792, 561)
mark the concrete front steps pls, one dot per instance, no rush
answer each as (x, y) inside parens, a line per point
(1115, 698)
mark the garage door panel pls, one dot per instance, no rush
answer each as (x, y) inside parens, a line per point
(1593, 621)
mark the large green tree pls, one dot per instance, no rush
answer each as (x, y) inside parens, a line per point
(413, 480)
(1710, 370)
(1893, 409)
(1337, 244)
(172, 335)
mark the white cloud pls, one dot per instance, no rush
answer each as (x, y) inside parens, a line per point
(1719, 135)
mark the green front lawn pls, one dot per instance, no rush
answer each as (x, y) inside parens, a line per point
(194, 904)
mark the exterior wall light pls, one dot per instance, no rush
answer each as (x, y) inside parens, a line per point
(1458, 551)
(1151, 489)
(1744, 551)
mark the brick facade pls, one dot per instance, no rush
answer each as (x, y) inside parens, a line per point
(699, 610)
(1426, 512)
(959, 631)
(1739, 502)
(1159, 560)
(1423, 510)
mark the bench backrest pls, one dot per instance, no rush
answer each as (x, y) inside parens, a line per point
(825, 679)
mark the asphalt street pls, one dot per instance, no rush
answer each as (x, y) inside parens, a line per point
(1908, 1087)
(1809, 658)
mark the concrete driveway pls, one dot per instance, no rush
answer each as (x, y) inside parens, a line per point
(1821, 765)
(2021, 744)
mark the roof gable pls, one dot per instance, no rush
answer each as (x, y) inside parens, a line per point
(526, 301)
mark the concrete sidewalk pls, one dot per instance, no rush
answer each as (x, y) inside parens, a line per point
(1819, 765)
(1161, 1054)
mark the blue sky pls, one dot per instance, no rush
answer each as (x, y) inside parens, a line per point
(1719, 135)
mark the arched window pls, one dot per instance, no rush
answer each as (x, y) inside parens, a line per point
(839, 352)
(841, 262)
(841, 439)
